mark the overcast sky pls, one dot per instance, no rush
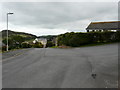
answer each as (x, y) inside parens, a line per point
(52, 18)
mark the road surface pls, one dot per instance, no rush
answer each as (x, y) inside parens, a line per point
(62, 68)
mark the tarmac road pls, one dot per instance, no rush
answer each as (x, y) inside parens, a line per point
(62, 68)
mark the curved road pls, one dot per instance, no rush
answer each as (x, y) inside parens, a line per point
(62, 68)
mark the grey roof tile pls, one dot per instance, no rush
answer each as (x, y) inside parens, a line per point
(104, 25)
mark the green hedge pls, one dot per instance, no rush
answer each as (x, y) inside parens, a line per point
(78, 39)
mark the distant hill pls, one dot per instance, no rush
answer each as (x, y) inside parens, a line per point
(48, 37)
(26, 35)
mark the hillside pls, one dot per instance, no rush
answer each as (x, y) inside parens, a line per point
(48, 37)
(16, 40)
(26, 35)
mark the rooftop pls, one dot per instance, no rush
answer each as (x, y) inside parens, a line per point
(112, 25)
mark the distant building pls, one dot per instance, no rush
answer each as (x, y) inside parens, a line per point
(41, 40)
(55, 41)
(103, 26)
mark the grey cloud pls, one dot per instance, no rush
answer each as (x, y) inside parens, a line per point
(54, 15)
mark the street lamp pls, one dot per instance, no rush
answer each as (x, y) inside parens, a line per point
(7, 30)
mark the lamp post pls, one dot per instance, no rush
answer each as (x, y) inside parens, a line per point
(7, 30)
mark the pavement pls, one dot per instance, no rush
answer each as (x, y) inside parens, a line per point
(12, 53)
(62, 68)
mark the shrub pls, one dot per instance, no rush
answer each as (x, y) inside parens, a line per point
(50, 44)
(26, 45)
(3, 48)
(78, 39)
(38, 45)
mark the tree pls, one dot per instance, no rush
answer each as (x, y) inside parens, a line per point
(14, 41)
(26, 45)
(50, 44)
(38, 45)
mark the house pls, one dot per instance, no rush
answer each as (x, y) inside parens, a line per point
(103, 26)
(41, 40)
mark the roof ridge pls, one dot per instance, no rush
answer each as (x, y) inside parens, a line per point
(105, 22)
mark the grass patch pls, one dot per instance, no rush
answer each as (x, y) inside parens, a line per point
(31, 40)
(54, 47)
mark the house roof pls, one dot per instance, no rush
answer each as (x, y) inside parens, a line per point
(41, 39)
(114, 25)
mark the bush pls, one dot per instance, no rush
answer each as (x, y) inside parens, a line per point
(50, 44)
(38, 45)
(14, 41)
(26, 45)
(3, 48)
(78, 39)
